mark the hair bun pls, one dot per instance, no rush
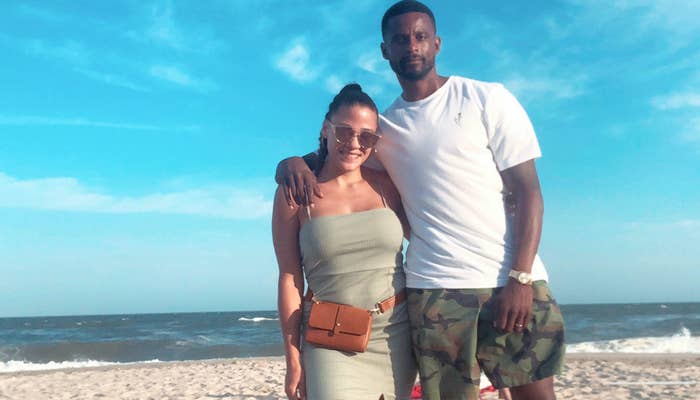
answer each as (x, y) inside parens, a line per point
(351, 87)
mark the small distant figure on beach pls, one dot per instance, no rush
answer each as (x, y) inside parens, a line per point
(461, 154)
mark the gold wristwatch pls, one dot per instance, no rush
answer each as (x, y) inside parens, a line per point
(520, 276)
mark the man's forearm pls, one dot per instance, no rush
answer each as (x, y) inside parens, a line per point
(310, 159)
(529, 209)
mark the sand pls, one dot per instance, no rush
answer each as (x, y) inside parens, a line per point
(586, 376)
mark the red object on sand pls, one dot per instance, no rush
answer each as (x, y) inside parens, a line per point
(487, 389)
(417, 392)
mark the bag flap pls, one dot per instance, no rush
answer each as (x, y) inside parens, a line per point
(323, 316)
(356, 321)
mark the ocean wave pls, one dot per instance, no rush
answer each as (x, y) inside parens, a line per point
(680, 342)
(17, 366)
(257, 319)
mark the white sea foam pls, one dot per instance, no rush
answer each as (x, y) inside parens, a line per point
(681, 342)
(257, 319)
(15, 366)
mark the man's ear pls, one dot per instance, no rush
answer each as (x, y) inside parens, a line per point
(438, 44)
(385, 52)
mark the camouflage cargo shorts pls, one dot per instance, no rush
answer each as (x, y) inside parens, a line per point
(454, 339)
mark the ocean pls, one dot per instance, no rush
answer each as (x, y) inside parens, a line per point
(40, 343)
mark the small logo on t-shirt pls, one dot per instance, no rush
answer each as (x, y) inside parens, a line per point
(458, 119)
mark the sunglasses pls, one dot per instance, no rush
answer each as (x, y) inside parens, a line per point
(345, 134)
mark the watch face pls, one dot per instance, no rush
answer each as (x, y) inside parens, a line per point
(523, 278)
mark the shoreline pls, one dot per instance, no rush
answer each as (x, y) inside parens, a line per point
(146, 364)
(636, 358)
(585, 376)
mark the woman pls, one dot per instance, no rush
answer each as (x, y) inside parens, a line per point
(349, 247)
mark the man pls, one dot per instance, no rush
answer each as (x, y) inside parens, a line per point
(461, 153)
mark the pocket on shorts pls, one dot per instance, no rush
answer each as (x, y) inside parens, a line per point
(547, 318)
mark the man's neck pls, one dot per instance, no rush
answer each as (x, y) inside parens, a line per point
(418, 90)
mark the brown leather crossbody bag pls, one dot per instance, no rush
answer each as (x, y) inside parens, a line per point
(343, 327)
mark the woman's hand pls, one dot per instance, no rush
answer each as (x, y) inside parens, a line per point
(295, 383)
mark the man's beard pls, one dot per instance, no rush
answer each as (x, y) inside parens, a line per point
(405, 71)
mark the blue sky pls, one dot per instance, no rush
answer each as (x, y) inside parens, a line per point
(138, 140)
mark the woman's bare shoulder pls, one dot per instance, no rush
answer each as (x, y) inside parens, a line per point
(375, 176)
(382, 182)
(283, 209)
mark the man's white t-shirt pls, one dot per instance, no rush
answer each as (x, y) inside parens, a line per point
(444, 154)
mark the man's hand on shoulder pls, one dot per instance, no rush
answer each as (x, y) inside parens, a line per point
(299, 182)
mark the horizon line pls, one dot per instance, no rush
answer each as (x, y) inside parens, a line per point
(244, 311)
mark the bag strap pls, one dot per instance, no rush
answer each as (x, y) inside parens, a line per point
(388, 304)
(381, 193)
(379, 308)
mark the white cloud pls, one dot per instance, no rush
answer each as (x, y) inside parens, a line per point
(42, 13)
(68, 194)
(295, 62)
(177, 76)
(113, 80)
(163, 29)
(370, 62)
(688, 126)
(76, 55)
(676, 20)
(180, 34)
(334, 84)
(374, 90)
(617, 130)
(70, 51)
(33, 120)
(676, 100)
(689, 224)
(678, 17)
(691, 133)
(556, 28)
(373, 63)
(171, 74)
(26, 120)
(340, 16)
(535, 72)
(550, 88)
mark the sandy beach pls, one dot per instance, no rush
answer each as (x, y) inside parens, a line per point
(586, 376)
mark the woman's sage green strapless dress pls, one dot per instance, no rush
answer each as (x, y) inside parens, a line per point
(356, 259)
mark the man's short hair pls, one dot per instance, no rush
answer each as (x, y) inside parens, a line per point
(405, 7)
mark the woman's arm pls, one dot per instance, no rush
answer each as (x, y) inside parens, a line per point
(290, 286)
